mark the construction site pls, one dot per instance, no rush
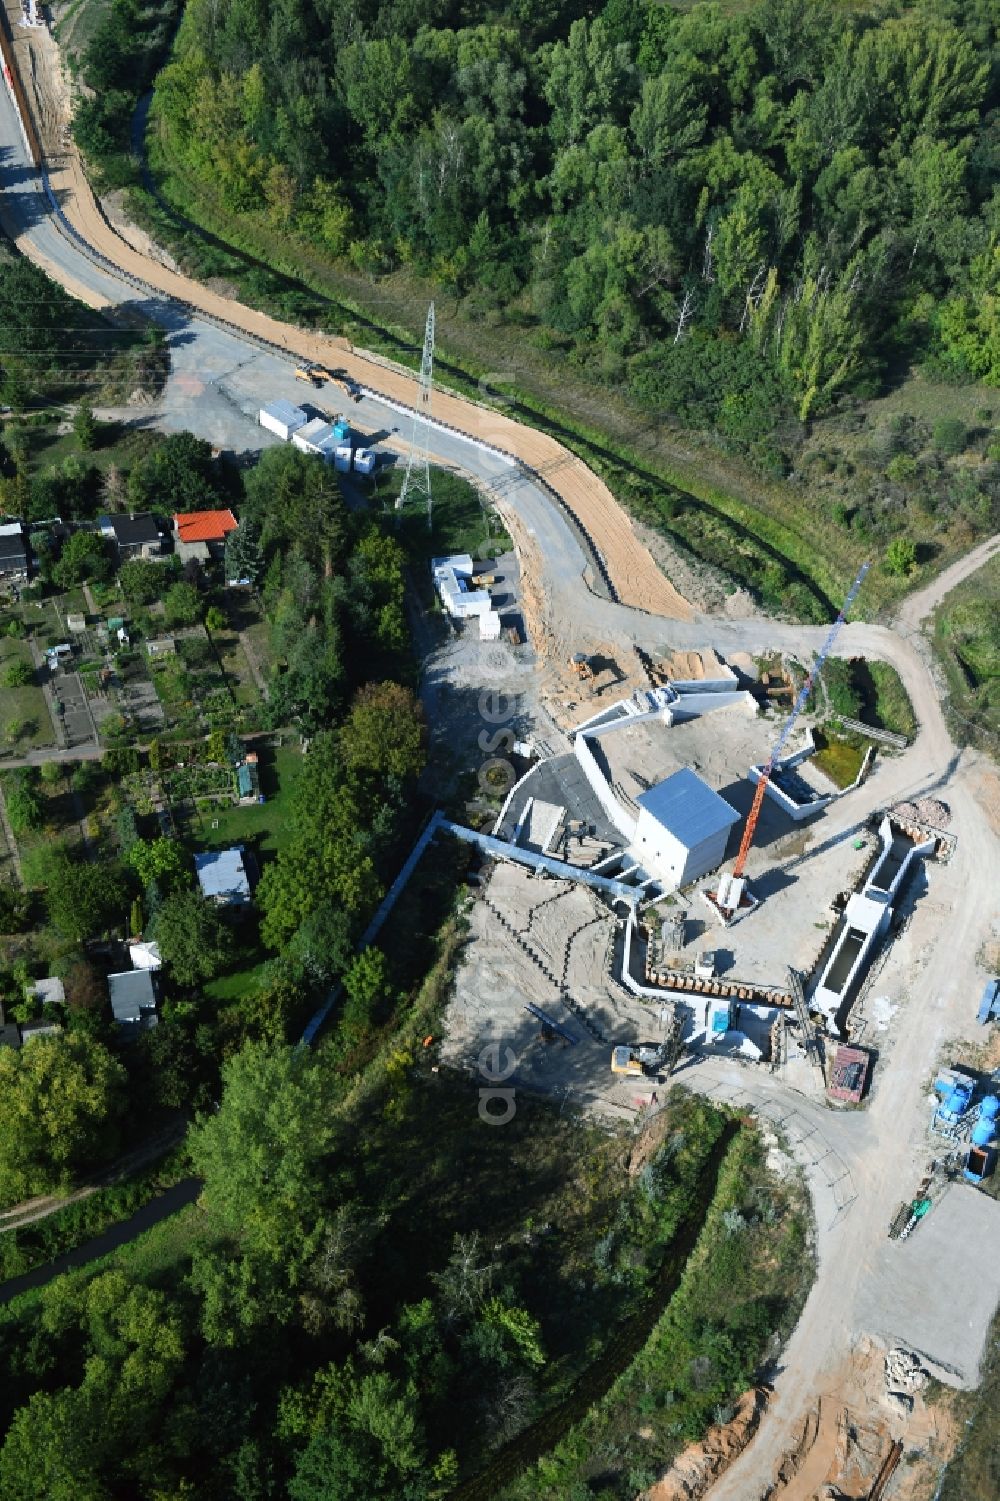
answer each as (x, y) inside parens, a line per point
(770, 961)
(682, 896)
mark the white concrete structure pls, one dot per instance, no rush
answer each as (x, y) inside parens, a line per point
(682, 829)
(282, 418)
(866, 917)
(364, 460)
(672, 857)
(671, 703)
(316, 436)
(452, 577)
(145, 955)
(793, 795)
(342, 458)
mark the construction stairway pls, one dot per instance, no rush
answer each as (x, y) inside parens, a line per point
(811, 1041)
(540, 964)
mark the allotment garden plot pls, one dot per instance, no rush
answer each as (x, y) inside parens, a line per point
(185, 682)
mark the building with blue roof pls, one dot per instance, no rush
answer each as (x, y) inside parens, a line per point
(682, 829)
(222, 876)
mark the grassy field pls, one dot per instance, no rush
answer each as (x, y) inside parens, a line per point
(76, 23)
(24, 718)
(461, 521)
(922, 396)
(966, 635)
(885, 702)
(839, 756)
(50, 448)
(261, 825)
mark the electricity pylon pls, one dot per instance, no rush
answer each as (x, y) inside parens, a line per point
(417, 479)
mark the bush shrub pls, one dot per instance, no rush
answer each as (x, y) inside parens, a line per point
(949, 435)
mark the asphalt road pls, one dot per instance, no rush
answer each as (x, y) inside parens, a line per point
(218, 380)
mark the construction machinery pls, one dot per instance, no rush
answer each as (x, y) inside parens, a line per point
(637, 1061)
(930, 1190)
(657, 1061)
(349, 387)
(312, 375)
(731, 893)
(580, 665)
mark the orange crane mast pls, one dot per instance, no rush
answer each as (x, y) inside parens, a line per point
(750, 827)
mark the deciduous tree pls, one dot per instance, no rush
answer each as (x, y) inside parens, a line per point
(61, 1101)
(384, 732)
(195, 942)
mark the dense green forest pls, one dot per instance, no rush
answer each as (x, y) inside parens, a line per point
(742, 215)
(313, 1330)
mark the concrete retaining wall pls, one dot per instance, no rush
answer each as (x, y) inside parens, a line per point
(795, 811)
(617, 816)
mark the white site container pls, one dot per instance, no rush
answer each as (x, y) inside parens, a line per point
(364, 460)
(315, 437)
(282, 418)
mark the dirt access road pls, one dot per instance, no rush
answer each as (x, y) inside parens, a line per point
(631, 570)
(819, 1364)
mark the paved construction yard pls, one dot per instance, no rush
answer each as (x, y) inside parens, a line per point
(936, 1292)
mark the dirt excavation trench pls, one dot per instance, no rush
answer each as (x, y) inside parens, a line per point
(631, 570)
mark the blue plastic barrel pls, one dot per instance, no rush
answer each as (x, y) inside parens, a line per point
(982, 1133)
(990, 1108)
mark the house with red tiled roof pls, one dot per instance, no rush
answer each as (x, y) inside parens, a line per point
(202, 534)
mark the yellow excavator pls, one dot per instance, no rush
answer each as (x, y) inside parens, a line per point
(637, 1061)
(312, 375)
(317, 375)
(349, 387)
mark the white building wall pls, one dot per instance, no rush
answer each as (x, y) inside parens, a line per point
(475, 602)
(617, 815)
(283, 429)
(664, 856)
